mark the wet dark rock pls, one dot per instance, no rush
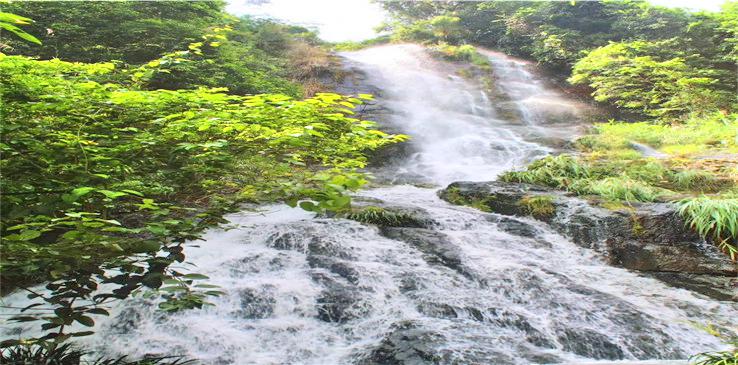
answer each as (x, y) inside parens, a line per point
(651, 238)
(504, 318)
(337, 266)
(407, 343)
(718, 287)
(587, 343)
(308, 241)
(256, 304)
(514, 227)
(126, 321)
(436, 246)
(437, 310)
(338, 302)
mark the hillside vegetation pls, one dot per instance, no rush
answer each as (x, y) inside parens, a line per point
(669, 72)
(120, 144)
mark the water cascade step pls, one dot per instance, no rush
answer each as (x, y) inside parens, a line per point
(470, 288)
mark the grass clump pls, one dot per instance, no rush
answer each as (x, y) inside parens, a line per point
(695, 180)
(714, 218)
(463, 52)
(539, 206)
(355, 46)
(621, 189)
(384, 217)
(556, 171)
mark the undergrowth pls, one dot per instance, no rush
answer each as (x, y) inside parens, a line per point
(68, 355)
(701, 158)
(715, 219)
(540, 206)
(384, 217)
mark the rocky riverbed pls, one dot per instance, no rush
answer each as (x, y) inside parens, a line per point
(647, 237)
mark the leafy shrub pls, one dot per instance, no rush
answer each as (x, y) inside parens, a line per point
(78, 138)
(540, 206)
(715, 219)
(384, 217)
(67, 355)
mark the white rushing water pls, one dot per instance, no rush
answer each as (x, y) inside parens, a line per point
(302, 290)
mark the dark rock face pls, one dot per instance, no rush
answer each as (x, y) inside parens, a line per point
(590, 344)
(436, 246)
(256, 304)
(407, 344)
(651, 238)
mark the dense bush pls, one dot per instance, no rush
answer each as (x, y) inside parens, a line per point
(92, 164)
(129, 31)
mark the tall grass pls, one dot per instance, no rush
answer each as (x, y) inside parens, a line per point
(622, 189)
(694, 180)
(556, 171)
(715, 219)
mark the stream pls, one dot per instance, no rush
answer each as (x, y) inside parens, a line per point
(469, 290)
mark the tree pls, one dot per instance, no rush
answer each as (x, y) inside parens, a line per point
(648, 77)
(129, 31)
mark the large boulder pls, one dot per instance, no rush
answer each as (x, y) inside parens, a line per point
(647, 237)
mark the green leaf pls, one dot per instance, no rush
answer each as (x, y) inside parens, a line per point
(309, 206)
(85, 321)
(195, 277)
(148, 246)
(112, 194)
(19, 32)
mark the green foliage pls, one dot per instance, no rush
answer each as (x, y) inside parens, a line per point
(727, 357)
(355, 46)
(645, 76)
(539, 206)
(618, 189)
(695, 180)
(657, 61)
(82, 31)
(67, 355)
(714, 218)
(383, 217)
(78, 138)
(247, 57)
(463, 52)
(441, 28)
(713, 134)
(557, 171)
(716, 358)
(10, 22)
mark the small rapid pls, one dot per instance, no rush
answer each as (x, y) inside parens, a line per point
(469, 288)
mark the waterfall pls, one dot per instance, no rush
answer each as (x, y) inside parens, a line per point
(471, 288)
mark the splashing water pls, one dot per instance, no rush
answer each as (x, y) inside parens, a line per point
(475, 288)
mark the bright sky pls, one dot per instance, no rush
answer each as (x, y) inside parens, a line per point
(354, 20)
(336, 20)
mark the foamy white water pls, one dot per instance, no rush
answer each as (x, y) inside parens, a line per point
(477, 288)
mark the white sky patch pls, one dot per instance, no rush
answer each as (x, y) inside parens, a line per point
(355, 20)
(336, 20)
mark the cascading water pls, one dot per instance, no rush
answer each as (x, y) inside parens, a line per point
(472, 288)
